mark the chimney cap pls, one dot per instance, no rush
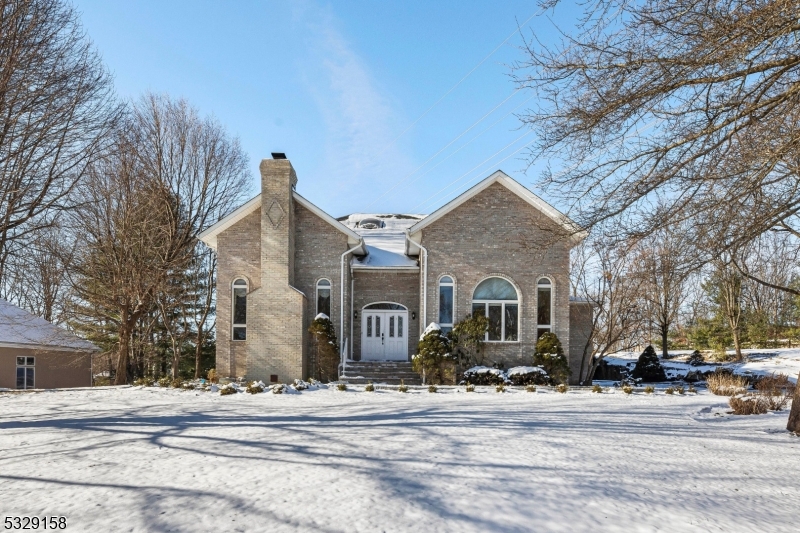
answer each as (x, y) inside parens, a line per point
(278, 155)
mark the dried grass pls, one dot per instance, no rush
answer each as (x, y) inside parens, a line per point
(724, 384)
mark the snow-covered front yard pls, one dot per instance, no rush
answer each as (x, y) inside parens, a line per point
(155, 459)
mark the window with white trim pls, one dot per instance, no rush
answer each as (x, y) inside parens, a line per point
(26, 372)
(446, 303)
(544, 306)
(497, 300)
(324, 297)
(239, 306)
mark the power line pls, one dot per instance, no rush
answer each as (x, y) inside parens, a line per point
(404, 178)
(437, 193)
(482, 61)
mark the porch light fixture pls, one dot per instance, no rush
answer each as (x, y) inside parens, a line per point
(355, 315)
(413, 315)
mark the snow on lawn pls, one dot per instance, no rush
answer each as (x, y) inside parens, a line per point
(166, 460)
(758, 362)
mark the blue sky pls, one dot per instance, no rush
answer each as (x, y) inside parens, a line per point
(340, 87)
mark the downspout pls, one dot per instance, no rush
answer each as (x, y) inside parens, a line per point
(341, 305)
(424, 316)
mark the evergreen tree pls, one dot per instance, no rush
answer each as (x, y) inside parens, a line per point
(550, 356)
(324, 348)
(648, 367)
(433, 352)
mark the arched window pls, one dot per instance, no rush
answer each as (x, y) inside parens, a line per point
(446, 294)
(544, 306)
(239, 310)
(497, 300)
(324, 297)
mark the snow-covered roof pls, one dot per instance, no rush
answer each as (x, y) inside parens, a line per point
(385, 244)
(21, 329)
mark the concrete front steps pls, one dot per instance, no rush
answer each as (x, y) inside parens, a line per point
(390, 372)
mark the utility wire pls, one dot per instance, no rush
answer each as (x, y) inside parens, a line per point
(431, 158)
(454, 87)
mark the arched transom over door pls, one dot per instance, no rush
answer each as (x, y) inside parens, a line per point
(384, 332)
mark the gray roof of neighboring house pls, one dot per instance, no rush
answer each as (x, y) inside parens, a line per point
(19, 328)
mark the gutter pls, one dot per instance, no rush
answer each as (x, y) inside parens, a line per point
(424, 282)
(342, 357)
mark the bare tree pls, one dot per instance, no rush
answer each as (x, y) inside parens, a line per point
(56, 111)
(603, 276)
(677, 106)
(170, 175)
(727, 283)
(663, 264)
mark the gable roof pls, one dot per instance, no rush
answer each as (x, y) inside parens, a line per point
(21, 329)
(576, 233)
(209, 236)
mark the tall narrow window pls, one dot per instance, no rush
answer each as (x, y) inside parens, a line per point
(240, 310)
(544, 307)
(497, 300)
(324, 297)
(446, 293)
(391, 326)
(25, 372)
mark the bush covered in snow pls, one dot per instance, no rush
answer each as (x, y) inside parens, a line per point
(299, 384)
(550, 356)
(369, 387)
(433, 356)
(278, 388)
(530, 388)
(230, 388)
(470, 387)
(165, 381)
(483, 375)
(527, 375)
(648, 367)
(256, 387)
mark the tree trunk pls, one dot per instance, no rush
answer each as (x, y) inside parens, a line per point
(794, 414)
(198, 350)
(737, 343)
(664, 340)
(122, 359)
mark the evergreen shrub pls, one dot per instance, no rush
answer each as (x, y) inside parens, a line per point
(369, 388)
(562, 388)
(696, 358)
(550, 356)
(648, 367)
(433, 356)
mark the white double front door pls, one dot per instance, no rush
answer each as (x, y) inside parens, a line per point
(384, 335)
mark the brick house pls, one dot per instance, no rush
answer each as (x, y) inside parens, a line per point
(497, 249)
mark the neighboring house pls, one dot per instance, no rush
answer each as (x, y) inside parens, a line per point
(497, 249)
(35, 354)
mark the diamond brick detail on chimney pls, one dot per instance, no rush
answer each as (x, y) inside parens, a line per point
(275, 213)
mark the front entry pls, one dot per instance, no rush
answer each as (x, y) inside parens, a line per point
(384, 332)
